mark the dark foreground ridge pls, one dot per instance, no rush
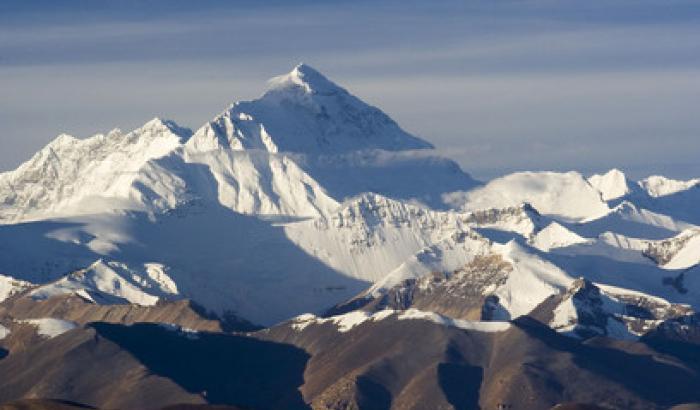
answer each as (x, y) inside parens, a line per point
(385, 364)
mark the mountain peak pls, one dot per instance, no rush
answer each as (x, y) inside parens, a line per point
(156, 122)
(61, 140)
(305, 77)
(304, 112)
(303, 69)
(611, 185)
(658, 186)
(159, 125)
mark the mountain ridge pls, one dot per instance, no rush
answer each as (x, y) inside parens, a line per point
(285, 169)
(301, 250)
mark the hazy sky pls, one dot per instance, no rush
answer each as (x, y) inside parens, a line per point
(497, 85)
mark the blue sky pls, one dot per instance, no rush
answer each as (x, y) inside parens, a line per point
(498, 86)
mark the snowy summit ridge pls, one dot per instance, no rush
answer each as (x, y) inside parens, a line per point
(304, 112)
(307, 197)
(306, 77)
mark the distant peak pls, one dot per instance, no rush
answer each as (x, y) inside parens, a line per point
(657, 186)
(306, 77)
(303, 70)
(611, 185)
(615, 172)
(61, 140)
(159, 125)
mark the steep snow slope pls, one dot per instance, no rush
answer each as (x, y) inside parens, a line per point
(564, 195)
(371, 235)
(247, 182)
(69, 170)
(533, 279)
(265, 184)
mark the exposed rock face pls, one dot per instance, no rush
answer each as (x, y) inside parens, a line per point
(586, 311)
(463, 294)
(664, 251)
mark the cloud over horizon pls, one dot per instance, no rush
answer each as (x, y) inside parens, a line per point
(521, 85)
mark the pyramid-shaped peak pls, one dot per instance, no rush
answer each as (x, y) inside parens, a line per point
(611, 185)
(158, 125)
(62, 139)
(304, 112)
(306, 77)
(305, 69)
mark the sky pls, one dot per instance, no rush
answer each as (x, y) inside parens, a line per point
(499, 86)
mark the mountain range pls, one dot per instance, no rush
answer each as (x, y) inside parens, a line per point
(301, 250)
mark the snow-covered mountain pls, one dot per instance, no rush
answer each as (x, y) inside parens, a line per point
(69, 171)
(304, 112)
(564, 195)
(356, 267)
(307, 198)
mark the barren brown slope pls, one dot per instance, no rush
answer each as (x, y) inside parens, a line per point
(81, 366)
(148, 365)
(77, 309)
(378, 364)
(417, 364)
(15, 310)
